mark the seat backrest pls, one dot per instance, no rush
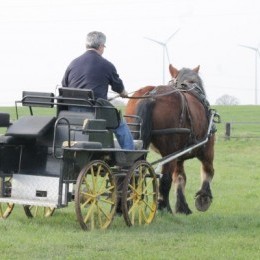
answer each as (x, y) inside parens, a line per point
(74, 97)
(97, 132)
(135, 125)
(37, 99)
(105, 110)
(4, 119)
(76, 118)
(73, 121)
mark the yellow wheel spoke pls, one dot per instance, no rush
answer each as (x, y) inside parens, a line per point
(149, 206)
(86, 203)
(89, 213)
(93, 178)
(105, 190)
(35, 210)
(140, 215)
(132, 187)
(108, 201)
(100, 210)
(84, 181)
(88, 194)
(129, 198)
(144, 216)
(99, 216)
(133, 218)
(103, 183)
(133, 207)
(97, 176)
(93, 217)
(148, 185)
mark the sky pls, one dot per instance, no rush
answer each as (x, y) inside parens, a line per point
(39, 38)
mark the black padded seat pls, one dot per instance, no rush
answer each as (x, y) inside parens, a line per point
(30, 126)
(11, 140)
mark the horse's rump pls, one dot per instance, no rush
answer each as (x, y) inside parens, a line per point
(132, 103)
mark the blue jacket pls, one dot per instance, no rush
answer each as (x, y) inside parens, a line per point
(92, 71)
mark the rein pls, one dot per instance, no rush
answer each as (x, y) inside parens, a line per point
(175, 89)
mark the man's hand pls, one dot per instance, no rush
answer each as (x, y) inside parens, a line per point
(124, 94)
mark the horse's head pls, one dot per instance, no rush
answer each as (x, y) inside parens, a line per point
(186, 76)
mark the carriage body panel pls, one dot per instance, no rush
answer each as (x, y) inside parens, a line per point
(42, 158)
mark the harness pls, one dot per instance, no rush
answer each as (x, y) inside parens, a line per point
(193, 89)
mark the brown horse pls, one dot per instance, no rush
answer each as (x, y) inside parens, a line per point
(166, 112)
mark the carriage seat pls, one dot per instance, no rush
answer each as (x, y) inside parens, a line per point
(82, 145)
(138, 144)
(11, 140)
(96, 130)
(96, 136)
(30, 126)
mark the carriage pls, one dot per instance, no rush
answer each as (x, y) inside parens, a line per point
(48, 161)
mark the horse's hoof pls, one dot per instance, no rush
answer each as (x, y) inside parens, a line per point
(202, 203)
(185, 211)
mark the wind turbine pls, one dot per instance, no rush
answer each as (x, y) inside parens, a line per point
(165, 50)
(256, 50)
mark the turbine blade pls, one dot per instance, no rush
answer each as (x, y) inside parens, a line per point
(167, 53)
(248, 47)
(258, 52)
(172, 35)
(161, 43)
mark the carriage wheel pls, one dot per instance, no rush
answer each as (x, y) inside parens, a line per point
(36, 211)
(5, 208)
(139, 196)
(95, 196)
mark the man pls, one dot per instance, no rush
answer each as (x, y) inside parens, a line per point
(92, 71)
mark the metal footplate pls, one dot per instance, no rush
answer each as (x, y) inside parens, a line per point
(34, 190)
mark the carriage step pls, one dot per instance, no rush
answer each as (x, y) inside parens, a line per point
(35, 190)
(28, 202)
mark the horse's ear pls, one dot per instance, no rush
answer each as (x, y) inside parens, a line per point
(197, 69)
(173, 71)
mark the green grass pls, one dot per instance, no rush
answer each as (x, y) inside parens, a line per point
(237, 116)
(230, 229)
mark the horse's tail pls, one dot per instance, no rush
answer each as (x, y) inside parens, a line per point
(145, 111)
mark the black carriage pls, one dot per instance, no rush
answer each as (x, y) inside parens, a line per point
(48, 161)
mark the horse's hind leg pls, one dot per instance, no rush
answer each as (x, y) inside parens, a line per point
(179, 179)
(203, 197)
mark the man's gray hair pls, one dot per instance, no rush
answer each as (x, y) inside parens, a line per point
(95, 40)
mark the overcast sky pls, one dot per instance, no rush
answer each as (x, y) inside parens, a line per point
(40, 37)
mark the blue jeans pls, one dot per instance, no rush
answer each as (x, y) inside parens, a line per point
(122, 133)
(124, 136)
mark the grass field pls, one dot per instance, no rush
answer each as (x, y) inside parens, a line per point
(230, 229)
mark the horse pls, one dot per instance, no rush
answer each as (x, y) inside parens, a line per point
(164, 109)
